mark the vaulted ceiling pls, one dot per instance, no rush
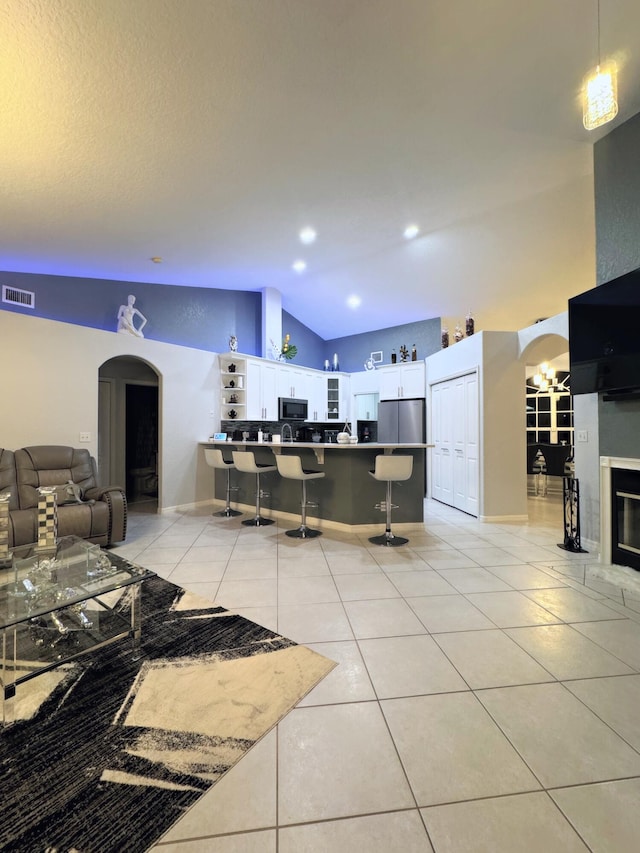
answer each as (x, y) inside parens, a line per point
(209, 132)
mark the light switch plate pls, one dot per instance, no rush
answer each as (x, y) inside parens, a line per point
(582, 435)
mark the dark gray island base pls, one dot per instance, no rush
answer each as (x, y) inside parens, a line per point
(346, 495)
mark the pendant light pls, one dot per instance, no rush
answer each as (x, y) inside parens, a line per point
(600, 94)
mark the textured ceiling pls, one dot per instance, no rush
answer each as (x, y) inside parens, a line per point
(208, 132)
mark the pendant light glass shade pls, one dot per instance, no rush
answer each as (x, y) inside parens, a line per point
(600, 96)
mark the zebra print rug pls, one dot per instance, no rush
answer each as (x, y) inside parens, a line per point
(107, 753)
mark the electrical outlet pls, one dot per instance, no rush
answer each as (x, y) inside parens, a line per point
(582, 435)
(85, 436)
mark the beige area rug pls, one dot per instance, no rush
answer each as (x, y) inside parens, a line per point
(107, 753)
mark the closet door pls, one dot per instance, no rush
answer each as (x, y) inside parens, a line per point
(442, 456)
(455, 435)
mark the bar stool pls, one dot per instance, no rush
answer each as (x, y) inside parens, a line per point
(388, 469)
(245, 461)
(291, 468)
(215, 459)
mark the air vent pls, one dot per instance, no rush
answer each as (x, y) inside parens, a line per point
(23, 298)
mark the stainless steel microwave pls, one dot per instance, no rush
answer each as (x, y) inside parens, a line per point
(290, 409)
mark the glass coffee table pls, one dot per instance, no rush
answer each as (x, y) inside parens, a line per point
(55, 607)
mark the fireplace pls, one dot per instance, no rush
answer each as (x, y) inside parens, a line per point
(620, 511)
(625, 517)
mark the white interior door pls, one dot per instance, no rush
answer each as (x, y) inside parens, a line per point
(442, 456)
(455, 476)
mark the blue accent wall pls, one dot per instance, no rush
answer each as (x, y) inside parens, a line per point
(202, 318)
(311, 347)
(354, 350)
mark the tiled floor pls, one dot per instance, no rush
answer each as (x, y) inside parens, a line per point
(487, 697)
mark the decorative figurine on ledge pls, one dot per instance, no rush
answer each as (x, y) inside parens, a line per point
(457, 335)
(233, 344)
(469, 324)
(445, 338)
(404, 353)
(126, 314)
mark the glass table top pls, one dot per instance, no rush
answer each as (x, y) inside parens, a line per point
(38, 583)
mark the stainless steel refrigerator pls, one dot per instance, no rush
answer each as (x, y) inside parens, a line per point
(401, 421)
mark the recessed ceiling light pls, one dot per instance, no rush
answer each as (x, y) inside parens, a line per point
(299, 266)
(353, 301)
(308, 235)
(411, 231)
(157, 260)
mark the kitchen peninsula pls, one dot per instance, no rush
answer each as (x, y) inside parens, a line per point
(346, 496)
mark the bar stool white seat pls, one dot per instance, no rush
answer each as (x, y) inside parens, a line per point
(290, 467)
(215, 459)
(245, 461)
(390, 469)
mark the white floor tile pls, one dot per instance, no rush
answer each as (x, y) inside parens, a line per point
(452, 749)
(528, 823)
(566, 653)
(350, 766)
(561, 740)
(382, 833)
(408, 666)
(605, 815)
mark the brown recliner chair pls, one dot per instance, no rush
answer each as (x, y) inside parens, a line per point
(99, 517)
(20, 520)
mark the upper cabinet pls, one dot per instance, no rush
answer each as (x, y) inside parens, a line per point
(293, 381)
(250, 387)
(317, 396)
(262, 390)
(401, 381)
(338, 391)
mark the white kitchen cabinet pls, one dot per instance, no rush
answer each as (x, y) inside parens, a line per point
(317, 396)
(262, 390)
(365, 382)
(366, 406)
(402, 381)
(293, 381)
(455, 473)
(338, 389)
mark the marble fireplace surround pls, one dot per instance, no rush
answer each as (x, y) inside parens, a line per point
(607, 463)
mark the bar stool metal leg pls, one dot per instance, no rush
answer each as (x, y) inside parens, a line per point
(304, 532)
(388, 538)
(228, 512)
(388, 469)
(258, 520)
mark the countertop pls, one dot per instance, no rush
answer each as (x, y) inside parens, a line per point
(316, 445)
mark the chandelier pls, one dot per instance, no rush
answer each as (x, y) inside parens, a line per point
(545, 378)
(600, 93)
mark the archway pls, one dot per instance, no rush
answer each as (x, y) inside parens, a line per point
(129, 429)
(549, 415)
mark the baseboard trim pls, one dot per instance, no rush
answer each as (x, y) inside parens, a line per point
(501, 519)
(293, 520)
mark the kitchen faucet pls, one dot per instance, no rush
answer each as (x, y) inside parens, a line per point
(286, 426)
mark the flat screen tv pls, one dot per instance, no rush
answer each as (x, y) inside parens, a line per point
(604, 338)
